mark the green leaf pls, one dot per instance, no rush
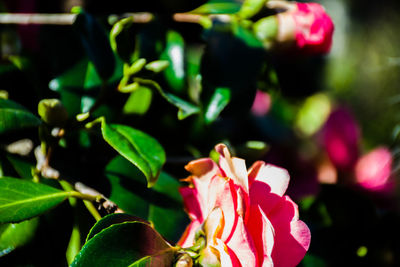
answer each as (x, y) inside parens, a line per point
(14, 116)
(123, 244)
(162, 204)
(83, 75)
(109, 220)
(22, 167)
(250, 8)
(218, 102)
(185, 108)
(139, 148)
(21, 200)
(14, 235)
(218, 7)
(164, 258)
(139, 101)
(174, 53)
(246, 36)
(266, 29)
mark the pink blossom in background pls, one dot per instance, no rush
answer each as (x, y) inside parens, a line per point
(340, 137)
(314, 28)
(373, 169)
(261, 104)
(243, 216)
(307, 24)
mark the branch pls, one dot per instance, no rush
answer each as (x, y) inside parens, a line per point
(69, 19)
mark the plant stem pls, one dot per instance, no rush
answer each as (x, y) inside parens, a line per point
(92, 209)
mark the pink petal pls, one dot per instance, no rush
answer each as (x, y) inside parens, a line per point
(270, 183)
(292, 236)
(191, 203)
(242, 245)
(262, 233)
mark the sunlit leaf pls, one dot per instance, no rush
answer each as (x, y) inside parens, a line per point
(136, 146)
(14, 235)
(250, 8)
(175, 54)
(139, 101)
(123, 244)
(14, 116)
(21, 200)
(218, 102)
(185, 108)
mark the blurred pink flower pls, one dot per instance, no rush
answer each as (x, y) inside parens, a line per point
(373, 169)
(243, 216)
(307, 24)
(340, 136)
(261, 104)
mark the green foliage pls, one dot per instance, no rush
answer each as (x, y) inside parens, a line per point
(162, 204)
(218, 7)
(14, 117)
(123, 244)
(21, 200)
(14, 235)
(139, 148)
(218, 102)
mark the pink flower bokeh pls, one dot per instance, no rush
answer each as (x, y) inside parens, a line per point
(245, 216)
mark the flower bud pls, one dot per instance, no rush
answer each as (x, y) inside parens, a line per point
(307, 25)
(52, 112)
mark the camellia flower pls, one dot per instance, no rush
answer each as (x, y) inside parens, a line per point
(307, 24)
(240, 217)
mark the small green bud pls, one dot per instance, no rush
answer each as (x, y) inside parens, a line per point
(52, 112)
(157, 66)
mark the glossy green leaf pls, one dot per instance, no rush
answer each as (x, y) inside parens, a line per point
(14, 116)
(83, 76)
(139, 101)
(109, 220)
(21, 200)
(162, 204)
(22, 167)
(14, 235)
(218, 102)
(246, 36)
(175, 54)
(136, 146)
(218, 7)
(185, 108)
(250, 8)
(164, 258)
(123, 244)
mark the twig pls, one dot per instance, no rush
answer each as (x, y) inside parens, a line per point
(69, 19)
(52, 19)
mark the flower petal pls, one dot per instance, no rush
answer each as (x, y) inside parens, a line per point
(263, 233)
(292, 236)
(242, 245)
(234, 168)
(187, 239)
